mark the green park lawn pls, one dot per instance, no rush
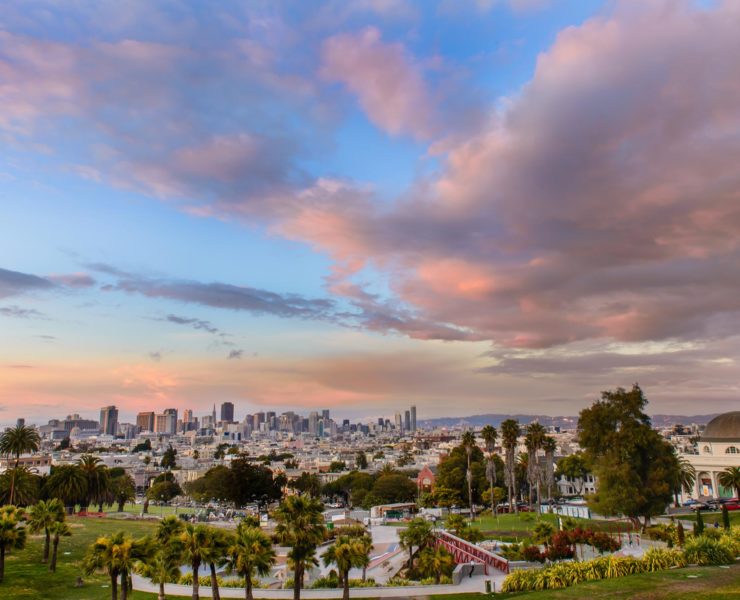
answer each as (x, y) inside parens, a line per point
(519, 526)
(711, 517)
(27, 577)
(700, 583)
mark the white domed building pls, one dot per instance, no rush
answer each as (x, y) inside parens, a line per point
(718, 448)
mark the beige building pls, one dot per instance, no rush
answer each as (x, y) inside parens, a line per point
(718, 448)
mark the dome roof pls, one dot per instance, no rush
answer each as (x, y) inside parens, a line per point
(726, 426)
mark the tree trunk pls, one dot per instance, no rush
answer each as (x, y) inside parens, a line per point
(161, 591)
(297, 580)
(46, 545)
(121, 505)
(12, 487)
(145, 508)
(248, 586)
(196, 581)
(2, 563)
(364, 573)
(114, 585)
(214, 583)
(100, 507)
(345, 587)
(124, 585)
(53, 564)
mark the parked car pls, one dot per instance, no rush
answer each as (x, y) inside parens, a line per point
(701, 506)
(732, 505)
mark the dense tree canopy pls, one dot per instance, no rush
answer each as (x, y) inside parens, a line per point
(452, 473)
(243, 482)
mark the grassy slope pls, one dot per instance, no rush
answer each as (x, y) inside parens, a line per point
(711, 517)
(26, 577)
(713, 583)
(519, 526)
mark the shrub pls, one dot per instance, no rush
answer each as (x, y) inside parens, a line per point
(519, 581)
(398, 581)
(703, 550)
(325, 582)
(658, 559)
(533, 554)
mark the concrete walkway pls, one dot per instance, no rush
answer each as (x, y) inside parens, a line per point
(467, 585)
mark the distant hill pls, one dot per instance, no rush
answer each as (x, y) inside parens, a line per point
(566, 422)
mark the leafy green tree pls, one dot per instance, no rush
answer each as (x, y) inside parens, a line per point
(144, 446)
(394, 488)
(307, 483)
(459, 526)
(96, 474)
(730, 479)
(12, 533)
(636, 467)
(169, 458)
(42, 516)
(250, 553)
(510, 432)
(195, 540)
(417, 535)
(436, 562)
(164, 491)
(699, 525)
(361, 460)
(300, 526)
(576, 467)
(57, 529)
(14, 442)
(453, 470)
(346, 552)
(337, 466)
(69, 484)
(123, 489)
(443, 496)
(352, 487)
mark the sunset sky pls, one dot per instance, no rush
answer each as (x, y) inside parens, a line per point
(468, 205)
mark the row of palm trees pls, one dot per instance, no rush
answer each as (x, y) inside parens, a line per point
(246, 552)
(536, 440)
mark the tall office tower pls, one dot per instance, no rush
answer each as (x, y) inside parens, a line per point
(145, 421)
(271, 420)
(260, 416)
(313, 423)
(413, 418)
(227, 412)
(20, 422)
(325, 414)
(187, 416)
(214, 413)
(345, 425)
(170, 421)
(109, 420)
(399, 422)
(381, 422)
(407, 421)
(207, 422)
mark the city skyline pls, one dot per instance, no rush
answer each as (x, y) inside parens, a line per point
(499, 206)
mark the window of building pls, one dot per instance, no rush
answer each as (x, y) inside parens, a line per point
(706, 450)
(732, 450)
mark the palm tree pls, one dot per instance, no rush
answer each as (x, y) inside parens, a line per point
(96, 474)
(685, 477)
(57, 529)
(165, 564)
(301, 527)
(550, 446)
(117, 555)
(534, 440)
(250, 552)
(435, 562)
(215, 554)
(346, 552)
(509, 436)
(195, 539)
(42, 516)
(468, 442)
(69, 484)
(418, 534)
(14, 442)
(12, 533)
(730, 478)
(489, 435)
(22, 482)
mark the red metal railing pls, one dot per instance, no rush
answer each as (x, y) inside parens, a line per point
(465, 552)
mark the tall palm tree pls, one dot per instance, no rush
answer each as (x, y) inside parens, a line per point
(165, 564)
(301, 527)
(96, 474)
(533, 441)
(42, 516)
(195, 539)
(250, 553)
(58, 529)
(489, 435)
(510, 432)
(685, 477)
(346, 552)
(550, 446)
(215, 555)
(468, 442)
(12, 533)
(730, 478)
(69, 484)
(118, 555)
(14, 442)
